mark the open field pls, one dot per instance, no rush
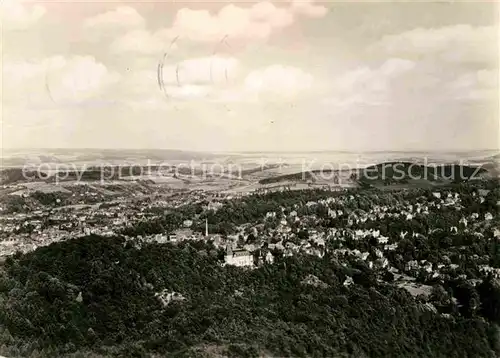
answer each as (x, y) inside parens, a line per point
(140, 171)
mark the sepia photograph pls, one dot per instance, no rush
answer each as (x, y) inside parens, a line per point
(250, 179)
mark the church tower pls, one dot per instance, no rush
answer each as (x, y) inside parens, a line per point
(206, 227)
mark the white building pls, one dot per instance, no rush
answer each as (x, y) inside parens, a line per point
(238, 257)
(269, 258)
(165, 297)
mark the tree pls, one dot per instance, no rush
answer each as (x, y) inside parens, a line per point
(468, 297)
(439, 294)
(489, 293)
(303, 235)
(251, 239)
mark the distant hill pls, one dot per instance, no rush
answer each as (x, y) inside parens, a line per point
(392, 172)
(402, 172)
(20, 157)
(16, 175)
(300, 176)
(20, 175)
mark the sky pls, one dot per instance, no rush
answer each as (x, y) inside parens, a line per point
(298, 75)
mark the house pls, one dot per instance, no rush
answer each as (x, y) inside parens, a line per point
(262, 257)
(238, 257)
(181, 235)
(483, 192)
(269, 257)
(161, 239)
(165, 297)
(348, 281)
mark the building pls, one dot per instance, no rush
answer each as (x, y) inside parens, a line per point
(238, 257)
(269, 258)
(181, 235)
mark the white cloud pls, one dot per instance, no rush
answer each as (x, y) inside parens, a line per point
(188, 92)
(278, 81)
(124, 17)
(189, 79)
(213, 69)
(112, 23)
(398, 90)
(201, 25)
(307, 7)
(368, 85)
(398, 101)
(401, 82)
(257, 22)
(476, 86)
(395, 67)
(176, 96)
(55, 79)
(456, 44)
(212, 79)
(267, 12)
(16, 15)
(79, 78)
(140, 42)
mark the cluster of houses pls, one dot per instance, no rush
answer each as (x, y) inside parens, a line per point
(43, 225)
(281, 236)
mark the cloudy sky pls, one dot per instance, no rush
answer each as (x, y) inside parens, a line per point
(269, 75)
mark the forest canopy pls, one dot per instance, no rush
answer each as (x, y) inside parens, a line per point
(97, 294)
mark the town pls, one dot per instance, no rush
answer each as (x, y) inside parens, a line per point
(173, 246)
(341, 222)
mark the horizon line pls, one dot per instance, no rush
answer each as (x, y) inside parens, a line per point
(254, 151)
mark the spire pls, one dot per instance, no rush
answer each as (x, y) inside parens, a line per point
(206, 227)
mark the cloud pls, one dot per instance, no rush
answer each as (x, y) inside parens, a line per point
(123, 17)
(16, 15)
(396, 66)
(475, 86)
(30, 127)
(212, 79)
(265, 12)
(278, 81)
(257, 22)
(202, 26)
(176, 96)
(368, 85)
(401, 82)
(455, 44)
(195, 79)
(398, 100)
(58, 79)
(307, 7)
(79, 78)
(112, 23)
(140, 42)
(213, 70)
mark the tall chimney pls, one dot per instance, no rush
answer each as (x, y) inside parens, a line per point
(206, 227)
